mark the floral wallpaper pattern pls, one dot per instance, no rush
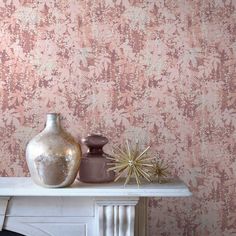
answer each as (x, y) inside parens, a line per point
(159, 70)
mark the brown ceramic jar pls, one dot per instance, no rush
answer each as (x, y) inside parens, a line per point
(94, 164)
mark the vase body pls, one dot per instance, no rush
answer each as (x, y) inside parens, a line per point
(53, 156)
(94, 164)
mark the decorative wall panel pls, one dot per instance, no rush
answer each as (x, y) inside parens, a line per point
(163, 71)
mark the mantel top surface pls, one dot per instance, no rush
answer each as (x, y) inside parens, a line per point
(23, 186)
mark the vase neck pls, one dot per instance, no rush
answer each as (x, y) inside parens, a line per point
(95, 151)
(53, 122)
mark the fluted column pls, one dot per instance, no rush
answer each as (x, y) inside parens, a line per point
(116, 217)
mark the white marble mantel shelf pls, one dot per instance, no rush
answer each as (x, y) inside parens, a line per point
(81, 209)
(23, 186)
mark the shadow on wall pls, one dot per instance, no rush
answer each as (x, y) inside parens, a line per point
(9, 233)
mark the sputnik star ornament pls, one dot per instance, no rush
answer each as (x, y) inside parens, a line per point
(131, 161)
(160, 170)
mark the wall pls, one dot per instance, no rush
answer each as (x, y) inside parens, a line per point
(160, 70)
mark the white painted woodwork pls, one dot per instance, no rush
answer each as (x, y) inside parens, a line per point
(23, 186)
(81, 209)
(116, 217)
(141, 217)
(3, 208)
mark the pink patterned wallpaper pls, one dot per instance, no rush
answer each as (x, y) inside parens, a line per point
(163, 71)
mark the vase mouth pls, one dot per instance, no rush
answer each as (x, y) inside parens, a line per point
(95, 142)
(53, 114)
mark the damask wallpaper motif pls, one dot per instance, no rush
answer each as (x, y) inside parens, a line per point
(160, 70)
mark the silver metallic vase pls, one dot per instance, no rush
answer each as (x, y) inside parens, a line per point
(53, 156)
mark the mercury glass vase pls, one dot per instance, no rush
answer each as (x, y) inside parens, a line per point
(53, 156)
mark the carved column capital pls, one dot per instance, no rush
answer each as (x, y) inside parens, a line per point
(116, 217)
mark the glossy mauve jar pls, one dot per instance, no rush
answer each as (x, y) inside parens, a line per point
(94, 164)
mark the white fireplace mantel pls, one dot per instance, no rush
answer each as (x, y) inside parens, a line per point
(81, 209)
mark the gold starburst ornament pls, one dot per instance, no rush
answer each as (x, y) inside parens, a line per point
(159, 170)
(131, 161)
